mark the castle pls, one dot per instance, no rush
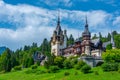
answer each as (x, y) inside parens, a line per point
(84, 46)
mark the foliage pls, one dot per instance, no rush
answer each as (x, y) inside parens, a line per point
(86, 69)
(38, 63)
(66, 73)
(70, 40)
(45, 47)
(96, 73)
(49, 62)
(38, 75)
(5, 61)
(34, 66)
(59, 61)
(76, 73)
(29, 71)
(109, 47)
(67, 64)
(117, 40)
(17, 68)
(54, 69)
(95, 36)
(74, 61)
(111, 55)
(110, 66)
(80, 64)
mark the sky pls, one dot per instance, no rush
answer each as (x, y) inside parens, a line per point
(23, 22)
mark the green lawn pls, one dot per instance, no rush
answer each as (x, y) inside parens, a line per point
(22, 75)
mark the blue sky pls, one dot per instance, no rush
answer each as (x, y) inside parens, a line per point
(25, 21)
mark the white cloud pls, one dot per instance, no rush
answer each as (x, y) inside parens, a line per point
(67, 3)
(116, 21)
(38, 23)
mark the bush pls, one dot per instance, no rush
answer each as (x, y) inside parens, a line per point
(119, 71)
(76, 73)
(46, 65)
(38, 63)
(67, 64)
(40, 72)
(59, 61)
(53, 69)
(86, 69)
(99, 63)
(34, 66)
(119, 66)
(29, 71)
(74, 61)
(66, 73)
(80, 64)
(17, 68)
(112, 55)
(110, 66)
(96, 73)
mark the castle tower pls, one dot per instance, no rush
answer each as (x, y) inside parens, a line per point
(112, 41)
(86, 35)
(58, 40)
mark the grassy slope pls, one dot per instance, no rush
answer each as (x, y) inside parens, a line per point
(21, 75)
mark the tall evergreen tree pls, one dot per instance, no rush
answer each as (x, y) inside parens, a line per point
(70, 40)
(109, 37)
(94, 37)
(6, 61)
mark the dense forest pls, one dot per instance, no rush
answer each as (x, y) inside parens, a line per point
(24, 56)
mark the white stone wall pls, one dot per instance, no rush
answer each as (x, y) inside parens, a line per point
(87, 50)
(65, 41)
(96, 52)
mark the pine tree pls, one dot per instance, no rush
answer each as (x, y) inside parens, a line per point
(6, 61)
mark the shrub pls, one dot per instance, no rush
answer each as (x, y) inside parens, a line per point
(40, 72)
(54, 69)
(38, 63)
(76, 73)
(84, 55)
(46, 64)
(119, 71)
(31, 71)
(99, 63)
(86, 69)
(96, 73)
(34, 66)
(67, 64)
(80, 64)
(59, 61)
(66, 73)
(112, 55)
(74, 61)
(17, 68)
(119, 66)
(110, 66)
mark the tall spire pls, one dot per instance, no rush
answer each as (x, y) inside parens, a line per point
(86, 20)
(58, 22)
(86, 24)
(58, 28)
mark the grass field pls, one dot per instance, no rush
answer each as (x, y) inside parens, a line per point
(22, 75)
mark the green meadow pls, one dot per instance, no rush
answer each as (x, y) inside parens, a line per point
(42, 74)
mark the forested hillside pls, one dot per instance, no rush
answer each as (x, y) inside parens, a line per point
(24, 56)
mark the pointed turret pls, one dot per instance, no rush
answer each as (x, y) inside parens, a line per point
(58, 28)
(86, 31)
(58, 40)
(86, 25)
(86, 39)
